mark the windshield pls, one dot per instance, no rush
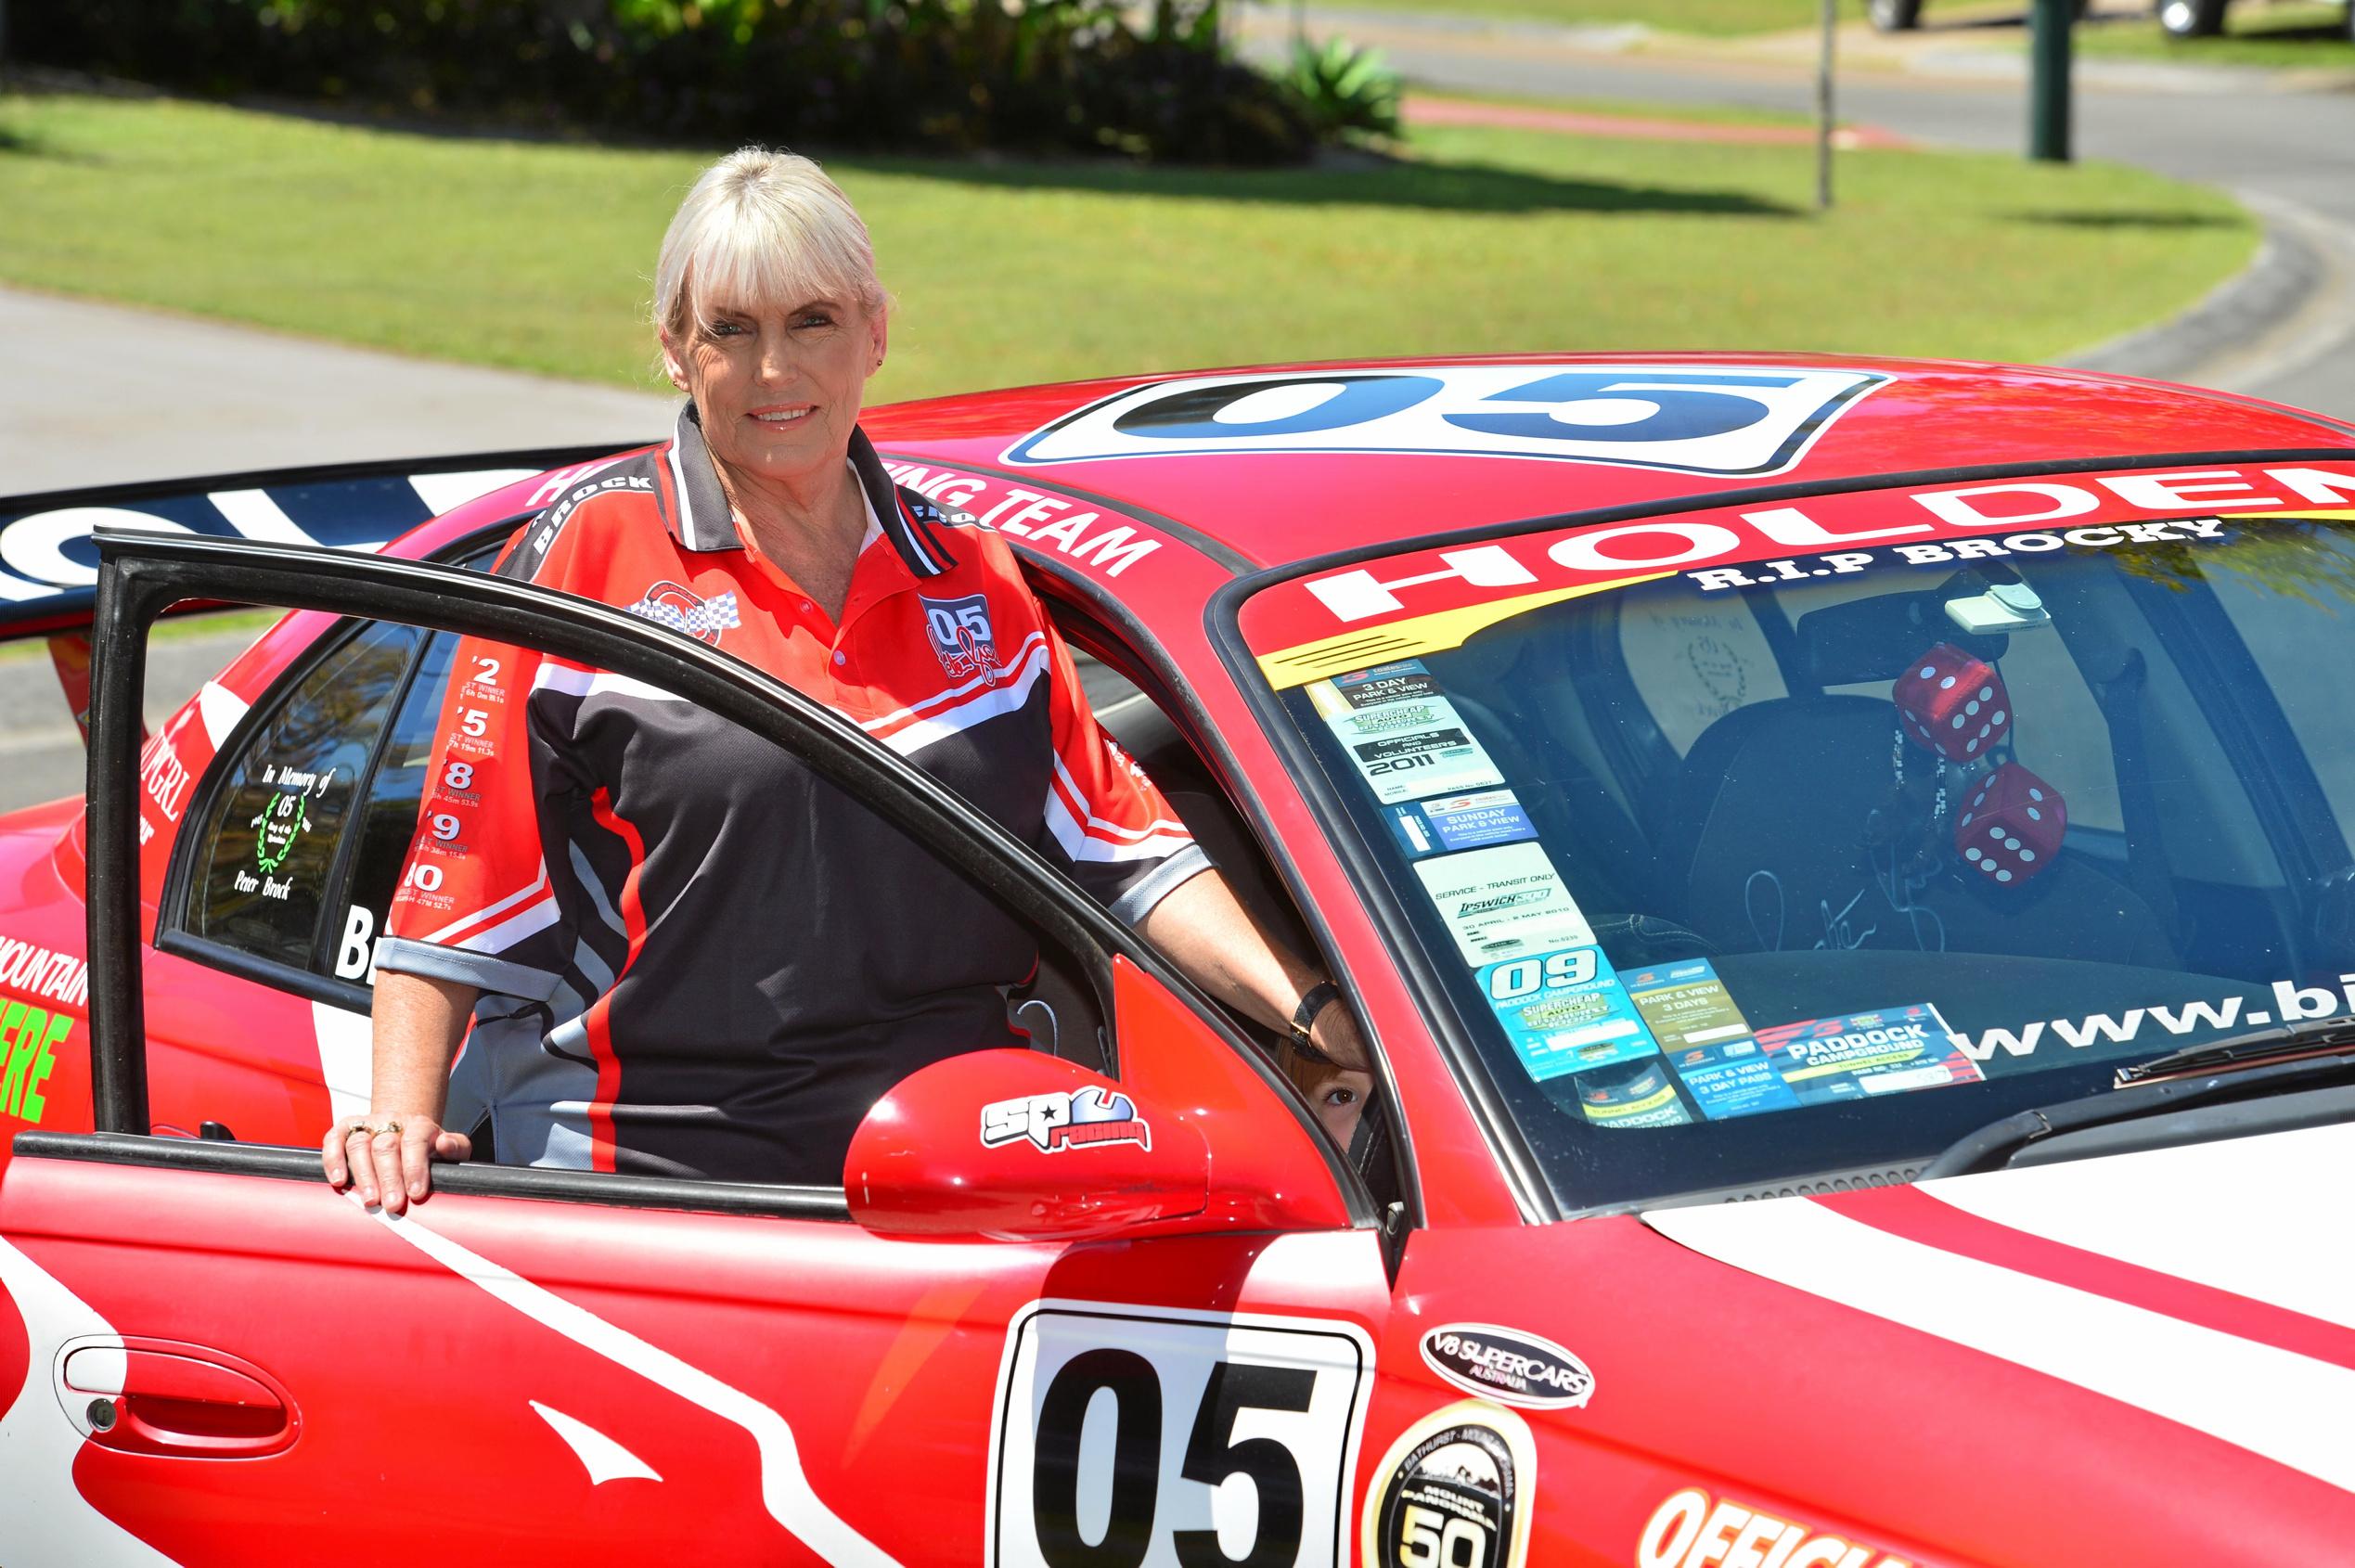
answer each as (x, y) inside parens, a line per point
(1741, 874)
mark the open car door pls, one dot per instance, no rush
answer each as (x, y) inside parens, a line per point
(1158, 1349)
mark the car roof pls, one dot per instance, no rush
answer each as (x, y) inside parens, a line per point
(1921, 419)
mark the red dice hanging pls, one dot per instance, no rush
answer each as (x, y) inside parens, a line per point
(1953, 703)
(2011, 825)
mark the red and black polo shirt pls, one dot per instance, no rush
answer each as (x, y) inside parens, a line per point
(698, 957)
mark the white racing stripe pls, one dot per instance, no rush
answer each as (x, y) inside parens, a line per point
(2290, 1408)
(2187, 1212)
(446, 493)
(43, 1517)
(785, 1490)
(347, 1058)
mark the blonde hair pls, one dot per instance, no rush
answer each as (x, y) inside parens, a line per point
(761, 228)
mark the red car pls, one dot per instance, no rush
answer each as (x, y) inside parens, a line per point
(1847, 866)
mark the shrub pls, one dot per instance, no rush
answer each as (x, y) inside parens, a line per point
(1341, 88)
(942, 75)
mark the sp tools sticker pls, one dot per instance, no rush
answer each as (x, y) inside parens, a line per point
(1504, 903)
(1456, 1490)
(1057, 1121)
(1508, 1365)
(1125, 1434)
(1683, 417)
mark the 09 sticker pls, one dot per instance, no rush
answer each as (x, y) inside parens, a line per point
(1688, 419)
(1133, 1435)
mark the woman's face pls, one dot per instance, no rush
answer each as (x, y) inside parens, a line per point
(1338, 1097)
(778, 389)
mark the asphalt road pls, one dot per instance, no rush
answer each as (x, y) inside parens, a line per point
(2237, 130)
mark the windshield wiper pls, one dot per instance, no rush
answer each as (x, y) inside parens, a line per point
(2285, 1043)
(2313, 1058)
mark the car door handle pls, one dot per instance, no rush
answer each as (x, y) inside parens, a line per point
(160, 1396)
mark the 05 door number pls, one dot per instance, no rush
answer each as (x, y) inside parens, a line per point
(1128, 1438)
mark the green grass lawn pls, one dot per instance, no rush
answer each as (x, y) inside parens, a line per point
(1717, 17)
(2296, 36)
(538, 256)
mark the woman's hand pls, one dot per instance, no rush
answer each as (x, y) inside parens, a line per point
(389, 1157)
(1336, 1033)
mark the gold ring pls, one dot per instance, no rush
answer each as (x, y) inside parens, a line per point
(392, 1127)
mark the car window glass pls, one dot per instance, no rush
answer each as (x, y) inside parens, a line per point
(389, 819)
(2068, 742)
(1694, 659)
(268, 848)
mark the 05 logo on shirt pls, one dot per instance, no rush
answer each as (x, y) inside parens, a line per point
(960, 635)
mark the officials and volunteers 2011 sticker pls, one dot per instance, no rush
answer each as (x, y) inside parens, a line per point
(1456, 1489)
(1566, 1012)
(1405, 739)
(1886, 1052)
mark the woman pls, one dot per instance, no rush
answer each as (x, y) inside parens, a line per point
(684, 953)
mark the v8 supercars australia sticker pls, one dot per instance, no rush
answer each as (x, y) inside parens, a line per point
(1564, 1012)
(1473, 821)
(1455, 1491)
(1691, 418)
(1867, 1053)
(1508, 1365)
(1708, 1041)
(1405, 739)
(1504, 903)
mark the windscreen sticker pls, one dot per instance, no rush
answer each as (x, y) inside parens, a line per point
(1566, 1012)
(1453, 822)
(1708, 1041)
(1504, 903)
(1640, 1096)
(1885, 1052)
(1404, 737)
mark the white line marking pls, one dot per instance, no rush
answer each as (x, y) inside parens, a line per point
(785, 1490)
(604, 1458)
(2268, 1401)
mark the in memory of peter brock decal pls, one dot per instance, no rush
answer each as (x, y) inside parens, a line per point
(1508, 1365)
(1684, 418)
(1123, 1435)
(1454, 1491)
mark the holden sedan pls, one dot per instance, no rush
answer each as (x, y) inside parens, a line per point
(1846, 865)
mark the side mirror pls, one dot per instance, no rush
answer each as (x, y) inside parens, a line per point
(1017, 1145)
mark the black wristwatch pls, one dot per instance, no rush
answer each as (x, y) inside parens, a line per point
(1303, 1017)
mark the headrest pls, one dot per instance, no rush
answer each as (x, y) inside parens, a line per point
(1876, 639)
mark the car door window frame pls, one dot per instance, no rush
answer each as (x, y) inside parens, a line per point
(141, 574)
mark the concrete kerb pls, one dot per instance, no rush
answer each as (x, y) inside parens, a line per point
(2290, 304)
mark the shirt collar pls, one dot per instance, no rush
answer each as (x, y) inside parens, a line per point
(700, 519)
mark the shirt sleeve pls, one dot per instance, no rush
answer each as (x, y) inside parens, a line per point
(1106, 823)
(476, 904)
